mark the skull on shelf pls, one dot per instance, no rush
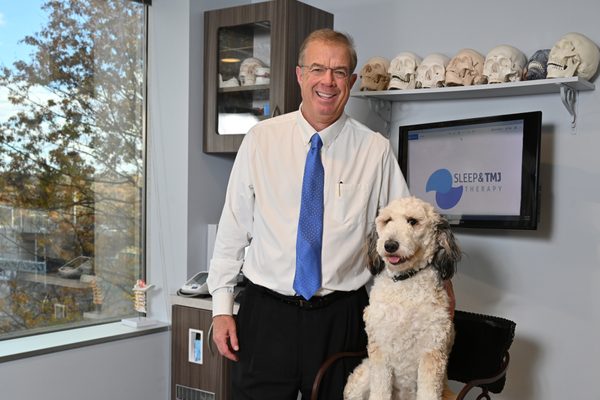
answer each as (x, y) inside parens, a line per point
(431, 72)
(537, 65)
(374, 75)
(465, 69)
(403, 71)
(573, 55)
(248, 71)
(504, 63)
(263, 75)
(232, 82)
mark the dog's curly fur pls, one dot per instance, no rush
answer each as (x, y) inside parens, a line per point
(408, 322)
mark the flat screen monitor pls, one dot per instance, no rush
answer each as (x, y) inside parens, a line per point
(479, 172)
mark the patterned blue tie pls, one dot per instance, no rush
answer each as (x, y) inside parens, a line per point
(310, 226)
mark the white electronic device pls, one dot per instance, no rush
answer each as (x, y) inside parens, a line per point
(195, 286)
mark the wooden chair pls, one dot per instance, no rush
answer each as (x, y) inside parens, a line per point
(479, 357)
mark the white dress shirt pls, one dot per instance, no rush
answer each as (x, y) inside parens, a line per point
(262, 205)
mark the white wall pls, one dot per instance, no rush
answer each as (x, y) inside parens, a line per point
(168, 115)
(547, 281)
(134, 369)
(186, 187)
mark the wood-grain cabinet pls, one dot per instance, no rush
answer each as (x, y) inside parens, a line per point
(196, 376)
(262, 41)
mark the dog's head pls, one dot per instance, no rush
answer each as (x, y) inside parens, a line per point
(409, 235)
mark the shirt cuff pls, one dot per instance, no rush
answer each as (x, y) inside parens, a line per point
(222, 301)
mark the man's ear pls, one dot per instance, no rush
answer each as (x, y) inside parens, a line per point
(299, 75)
(352, 81)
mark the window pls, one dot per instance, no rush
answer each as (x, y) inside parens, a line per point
(72, 109)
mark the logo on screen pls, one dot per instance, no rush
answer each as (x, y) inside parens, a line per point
(446, 196)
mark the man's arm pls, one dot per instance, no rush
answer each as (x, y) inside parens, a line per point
(233, 235)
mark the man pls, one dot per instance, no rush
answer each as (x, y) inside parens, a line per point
(281, 338)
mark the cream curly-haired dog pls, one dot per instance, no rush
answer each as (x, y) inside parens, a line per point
(408, 320)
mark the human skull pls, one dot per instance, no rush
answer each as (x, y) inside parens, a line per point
(403, 71)
(248, 71)
(465, 69)
(573, 55)
(232, 82)
(432, 71)
(504, 63)
(374, 75)
(537, 65)
(263, 75)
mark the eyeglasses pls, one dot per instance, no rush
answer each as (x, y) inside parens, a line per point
(317, 70)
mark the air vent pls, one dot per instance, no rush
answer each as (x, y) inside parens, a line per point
(187, 393)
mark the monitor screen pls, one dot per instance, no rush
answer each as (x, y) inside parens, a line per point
(479, 172)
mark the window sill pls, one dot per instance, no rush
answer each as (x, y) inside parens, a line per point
(30, 346)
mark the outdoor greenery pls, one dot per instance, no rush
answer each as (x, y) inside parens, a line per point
(72, 165)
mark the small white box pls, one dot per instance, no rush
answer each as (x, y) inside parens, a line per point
(196, 346)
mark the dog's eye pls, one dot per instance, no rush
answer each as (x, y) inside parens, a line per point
(412, 221)
(386, 221)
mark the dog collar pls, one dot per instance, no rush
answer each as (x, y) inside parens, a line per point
(405, 275)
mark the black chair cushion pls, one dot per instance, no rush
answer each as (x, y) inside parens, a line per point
(479, 347)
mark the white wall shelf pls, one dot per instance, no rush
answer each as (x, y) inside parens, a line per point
(566, 87)
(541, 86)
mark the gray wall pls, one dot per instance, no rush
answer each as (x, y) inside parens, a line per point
(548, 281)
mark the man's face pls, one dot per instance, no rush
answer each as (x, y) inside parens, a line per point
(324, 89)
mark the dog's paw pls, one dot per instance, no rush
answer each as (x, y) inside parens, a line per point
(357, 387)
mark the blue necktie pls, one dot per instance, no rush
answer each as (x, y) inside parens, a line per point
(310, 226)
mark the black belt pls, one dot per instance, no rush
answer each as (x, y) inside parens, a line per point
(299, 301)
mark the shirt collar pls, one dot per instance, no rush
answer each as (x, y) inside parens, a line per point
(328, 135)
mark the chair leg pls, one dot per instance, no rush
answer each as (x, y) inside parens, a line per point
(328, 363)
(479, 382)
(483, 395)
(467, 388)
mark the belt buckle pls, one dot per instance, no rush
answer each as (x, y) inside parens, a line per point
(303, 303)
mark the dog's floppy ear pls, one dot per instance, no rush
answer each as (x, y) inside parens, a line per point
(448, 253)
(374, 261)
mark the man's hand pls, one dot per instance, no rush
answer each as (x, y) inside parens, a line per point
(225, 336)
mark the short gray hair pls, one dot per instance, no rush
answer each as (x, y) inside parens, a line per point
(333, 37)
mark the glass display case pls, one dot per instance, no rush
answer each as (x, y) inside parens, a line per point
(250, 56)
(244, 55)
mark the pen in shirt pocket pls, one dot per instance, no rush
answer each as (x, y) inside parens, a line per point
(340, 188)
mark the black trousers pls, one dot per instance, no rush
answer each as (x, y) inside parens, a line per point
(283, 345)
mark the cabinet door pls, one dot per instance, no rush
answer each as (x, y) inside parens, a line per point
(249, 58)
(237, 41)
(212, 375)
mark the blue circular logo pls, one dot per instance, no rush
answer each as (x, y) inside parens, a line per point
(446, 196)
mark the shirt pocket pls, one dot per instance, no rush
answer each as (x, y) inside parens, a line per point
(351, 203)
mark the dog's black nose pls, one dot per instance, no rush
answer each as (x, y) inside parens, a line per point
(390, 246)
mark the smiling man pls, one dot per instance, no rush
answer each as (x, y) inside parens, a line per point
(284, 331)
(325, 79)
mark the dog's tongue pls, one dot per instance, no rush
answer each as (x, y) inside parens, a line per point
(394, 259)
